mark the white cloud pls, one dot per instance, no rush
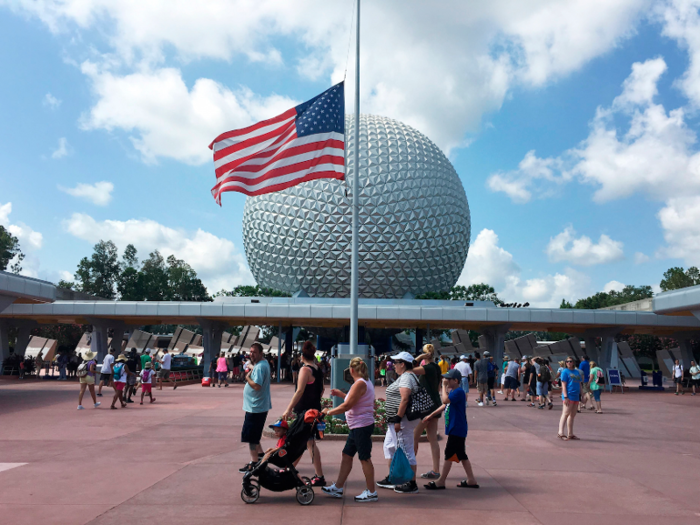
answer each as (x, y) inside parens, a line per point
(640, 87)
(216, 260)
(438, 67)
(583, 251)
(165, 118)
(640, 258)
(681, 21)
(613, 285)
(99, 193)
(30, 241)
(489, 263)
(680, 219)
(515, 184)
(62, 150)
(51, 102)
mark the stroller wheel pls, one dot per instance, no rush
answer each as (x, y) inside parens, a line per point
(250, 493)
(305, 495)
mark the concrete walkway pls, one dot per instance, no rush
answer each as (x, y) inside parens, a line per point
(177, 462)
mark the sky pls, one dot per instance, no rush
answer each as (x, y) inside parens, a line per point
(572, 124)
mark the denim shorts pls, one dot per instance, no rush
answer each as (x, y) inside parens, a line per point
(596, 394)
(465, 384)
(542, 388)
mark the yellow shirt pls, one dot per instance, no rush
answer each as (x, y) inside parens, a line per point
(444, 365)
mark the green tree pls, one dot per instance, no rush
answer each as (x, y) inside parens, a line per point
(68, 285)
(98, 275)
(245, 290)
(677, 277)
(154, 275)
(604, 299)
(9, 249)
(473, 292)
(183, 283)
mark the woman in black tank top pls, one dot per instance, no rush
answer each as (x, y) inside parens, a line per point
(307, 397)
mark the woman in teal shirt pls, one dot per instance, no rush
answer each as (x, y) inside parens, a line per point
(596, 374)
(571, 379)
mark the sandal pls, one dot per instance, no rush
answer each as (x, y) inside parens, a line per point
(434, 486)
(465, 485)
(575, 438)
(598, 411)
(562, 437)
(113, 407)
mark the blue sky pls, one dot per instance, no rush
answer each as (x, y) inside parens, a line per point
(571, 123)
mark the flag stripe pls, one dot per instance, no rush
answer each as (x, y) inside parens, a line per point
(261, 140)
(292, 167)
(279, 183)
(236, 159)
(290, 113)
(220, 149)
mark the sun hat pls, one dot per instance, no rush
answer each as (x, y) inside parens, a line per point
(122, 358)
(402, 356)
(147, 365)
(453, 374)
(89, 356)
(280, 424)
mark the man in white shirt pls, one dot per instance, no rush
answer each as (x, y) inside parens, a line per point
(695, 375)
(678, 377)
(466, 371)
(106, 372)
(164, 372)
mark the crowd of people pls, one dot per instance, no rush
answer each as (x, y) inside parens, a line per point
(443, 393)
(126, 374)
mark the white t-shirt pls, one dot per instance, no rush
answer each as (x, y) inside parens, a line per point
(122, 378)
(695, 371)
(107, 364)
(464, 369)
(150, 376)
(166, 361)
(677, 370)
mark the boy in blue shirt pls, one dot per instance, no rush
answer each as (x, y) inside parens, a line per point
(454, 405)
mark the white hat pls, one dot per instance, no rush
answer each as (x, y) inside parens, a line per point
(402, 356)
(463, 357)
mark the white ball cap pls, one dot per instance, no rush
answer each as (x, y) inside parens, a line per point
(402, 356)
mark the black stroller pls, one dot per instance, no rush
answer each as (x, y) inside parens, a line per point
(287, 477)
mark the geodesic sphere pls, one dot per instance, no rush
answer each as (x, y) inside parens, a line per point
(414, 221)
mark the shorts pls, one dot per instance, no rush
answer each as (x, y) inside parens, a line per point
(695, 382)
(164, 374)
(596, 394)
(119, 386)
(570, 401)
(503, 378)
(455, 449)
(222, 376)
(87, 380)
(481, 387)
(253, 426)
(106, 378)
(146, 388)
(542, 388)
(359, 442)
(511, 383)
(131, 380)
(236, 370)
(491, 382)
(677, 380)
(405, 437)
(585, 388)
(464, 383)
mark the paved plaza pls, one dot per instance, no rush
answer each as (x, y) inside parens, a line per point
(177, 462)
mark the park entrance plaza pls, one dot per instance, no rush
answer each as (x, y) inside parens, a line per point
(177, 462)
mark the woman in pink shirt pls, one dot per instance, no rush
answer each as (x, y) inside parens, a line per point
(358, 407)
(222, 369)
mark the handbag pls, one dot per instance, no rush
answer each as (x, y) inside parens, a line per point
(400, 470)
(420, 404)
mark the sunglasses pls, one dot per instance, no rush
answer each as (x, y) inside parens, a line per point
(569, 362)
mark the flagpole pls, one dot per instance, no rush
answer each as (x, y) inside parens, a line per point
(354, 277)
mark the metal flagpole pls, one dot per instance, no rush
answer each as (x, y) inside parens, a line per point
(354, 277)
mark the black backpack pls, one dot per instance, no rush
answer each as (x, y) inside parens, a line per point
(545, 374)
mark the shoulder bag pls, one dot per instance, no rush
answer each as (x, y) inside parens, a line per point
(420, 404)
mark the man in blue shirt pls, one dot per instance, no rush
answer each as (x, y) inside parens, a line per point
(585, 367)
(454, 405)
(256, 403)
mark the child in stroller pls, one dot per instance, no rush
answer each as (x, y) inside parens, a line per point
(286, 477)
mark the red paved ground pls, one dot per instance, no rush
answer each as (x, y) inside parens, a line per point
(177, 460)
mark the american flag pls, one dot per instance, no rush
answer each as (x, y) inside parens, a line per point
(304, 143)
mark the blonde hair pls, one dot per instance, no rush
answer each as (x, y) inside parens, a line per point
(593, 365)
(360, 367)
(429, 349)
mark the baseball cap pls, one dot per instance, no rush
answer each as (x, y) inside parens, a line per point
(453, 374)
(463, 357)
(402, 356)
(487, 353)
(280, 424)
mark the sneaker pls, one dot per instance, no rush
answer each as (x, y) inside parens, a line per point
(333, 491)
(98, 395)
(247, 468)
(541, 407)
(430, 475)
(480, 404)
(367, 496)
(97, 404)
(317, 481)
(495, 404)
(410, 487)
(676, 393)
(81, 407)
(385, 483)
(500, 392)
